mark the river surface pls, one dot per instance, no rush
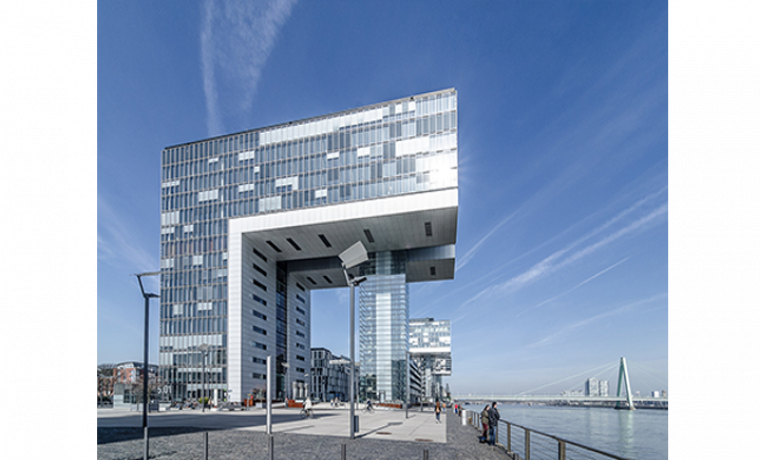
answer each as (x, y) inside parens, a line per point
(641, 434)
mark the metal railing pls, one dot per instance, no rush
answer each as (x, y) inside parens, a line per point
(523, 443)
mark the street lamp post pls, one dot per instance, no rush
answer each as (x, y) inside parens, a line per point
(408, 371)
(147, 296)
(350, 258)
(204, 352)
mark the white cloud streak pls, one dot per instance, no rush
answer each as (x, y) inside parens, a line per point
(118, 244)
(560, 259)
(471, 253)
(237, 38)
(617, 311)
(552, 299)
(553, 262)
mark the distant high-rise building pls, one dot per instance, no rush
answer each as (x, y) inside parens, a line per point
(604, 388)
(596, 387)
(430, 347)
(329, 376)
(592, 387)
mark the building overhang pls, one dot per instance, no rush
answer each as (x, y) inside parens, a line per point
(309, 240)
(433, 351)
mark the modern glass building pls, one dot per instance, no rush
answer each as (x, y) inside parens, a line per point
(252, 222)
(384, 327)
(430, 348)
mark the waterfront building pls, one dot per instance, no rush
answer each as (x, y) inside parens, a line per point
(604, 388)
(592, 387)
(596, 387)
(252, 222)
(329, 376)
(430, 348)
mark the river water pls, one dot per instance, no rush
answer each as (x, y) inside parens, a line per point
(641, 434)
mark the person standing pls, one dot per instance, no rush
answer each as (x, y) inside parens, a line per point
(437, 411)
(484, 421)
(493, 423)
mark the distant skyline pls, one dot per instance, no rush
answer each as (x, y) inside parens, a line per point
(562, 251)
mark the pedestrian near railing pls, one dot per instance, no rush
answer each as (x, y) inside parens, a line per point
(525, 443)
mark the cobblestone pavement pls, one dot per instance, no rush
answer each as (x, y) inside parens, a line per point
(187, 443)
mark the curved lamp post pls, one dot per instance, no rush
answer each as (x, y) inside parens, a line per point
(350, 258)
(147, 296)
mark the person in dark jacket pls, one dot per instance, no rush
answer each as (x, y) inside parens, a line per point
(484, 421)
(493, 423)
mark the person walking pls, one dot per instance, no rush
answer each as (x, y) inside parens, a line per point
(493, 423)
(484, 421)
(437, 411)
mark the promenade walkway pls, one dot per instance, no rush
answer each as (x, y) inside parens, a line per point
(385, 434)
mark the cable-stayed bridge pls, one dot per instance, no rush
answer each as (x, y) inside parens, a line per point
(624, 399)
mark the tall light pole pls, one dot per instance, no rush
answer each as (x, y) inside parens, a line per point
(350, 258)
(204, 352)
(408, 390)
(147, 296)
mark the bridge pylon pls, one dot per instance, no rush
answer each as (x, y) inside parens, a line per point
(623, 380)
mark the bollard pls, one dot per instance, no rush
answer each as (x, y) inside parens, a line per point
(425, 454)
(205, 445)
(145, 446)
(271, 447)
(342, 452)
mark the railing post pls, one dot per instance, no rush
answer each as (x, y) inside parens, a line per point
(205, 445)
(425, 454)
(527, 444)
(496, 433)
(343, 452)
(271, 447)
(561, 451)
(509, 437)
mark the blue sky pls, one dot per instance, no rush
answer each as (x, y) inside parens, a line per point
(562, 250)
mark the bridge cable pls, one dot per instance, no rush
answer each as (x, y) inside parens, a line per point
(567, 378)
(641, 372)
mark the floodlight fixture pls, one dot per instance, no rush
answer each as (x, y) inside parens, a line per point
(353, 256)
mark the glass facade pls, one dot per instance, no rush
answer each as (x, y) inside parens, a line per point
(393, 148)
(430, 346)
(384, 328)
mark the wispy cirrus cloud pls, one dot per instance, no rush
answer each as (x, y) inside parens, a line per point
(587, 280)
(557, 260)
(236, 39)
(118, 243)
(471, 253)
(578, 324)
(572, 253)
